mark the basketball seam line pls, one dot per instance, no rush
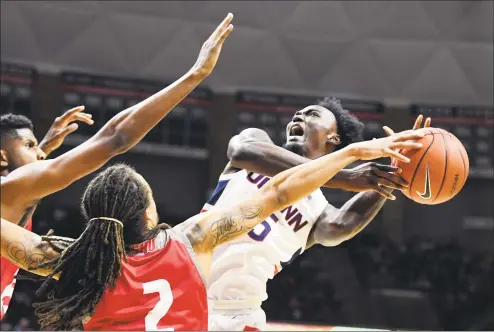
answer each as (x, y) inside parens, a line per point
(445, 167)
(465, 175)
(418, 164)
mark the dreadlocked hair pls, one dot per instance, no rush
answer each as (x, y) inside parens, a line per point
(350, 128)
(92, 263)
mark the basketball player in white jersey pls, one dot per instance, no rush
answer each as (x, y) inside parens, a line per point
(241, 268)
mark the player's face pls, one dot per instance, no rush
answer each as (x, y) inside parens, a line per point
(312, 132)
(21, 150)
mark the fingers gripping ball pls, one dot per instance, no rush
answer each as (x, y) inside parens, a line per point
(437, 171)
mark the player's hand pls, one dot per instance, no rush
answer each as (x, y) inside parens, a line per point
(388, 146)
(63, 126)
(375, 177)
(211, 49)
(416, 126)
(418, 122)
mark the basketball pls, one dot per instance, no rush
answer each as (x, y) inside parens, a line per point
(438, 170)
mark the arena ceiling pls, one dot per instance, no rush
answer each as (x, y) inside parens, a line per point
(430, 51)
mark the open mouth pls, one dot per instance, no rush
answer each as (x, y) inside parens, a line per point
(296, 130)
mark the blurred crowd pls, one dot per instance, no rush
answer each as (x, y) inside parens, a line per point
(458, 284)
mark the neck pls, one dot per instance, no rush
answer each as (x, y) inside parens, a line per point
(315, 155)
(4, 172)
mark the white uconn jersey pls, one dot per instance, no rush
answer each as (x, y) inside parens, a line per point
(242, 267)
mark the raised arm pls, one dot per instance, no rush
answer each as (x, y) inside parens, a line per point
(30, 183)
(211, 229)
(253, 150)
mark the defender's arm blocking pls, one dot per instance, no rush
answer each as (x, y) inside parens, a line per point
(28, 184)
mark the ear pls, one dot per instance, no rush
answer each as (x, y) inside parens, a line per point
(4, 163)
(151, 217)
(334, 139)
(148, 215)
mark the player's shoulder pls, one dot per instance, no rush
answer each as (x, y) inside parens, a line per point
(180, 232)
(175, 236)
(254, 133)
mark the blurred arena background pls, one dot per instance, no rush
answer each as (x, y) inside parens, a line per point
(415, 266)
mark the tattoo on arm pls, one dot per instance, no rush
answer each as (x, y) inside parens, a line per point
(19, 254)
(223, 229)
(30, 255)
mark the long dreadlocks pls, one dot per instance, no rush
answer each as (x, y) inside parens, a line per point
(92, 263)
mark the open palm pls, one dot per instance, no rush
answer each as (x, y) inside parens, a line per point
(211, 49)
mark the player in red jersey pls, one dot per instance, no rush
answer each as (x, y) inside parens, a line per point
(19, 148)
(127, 273)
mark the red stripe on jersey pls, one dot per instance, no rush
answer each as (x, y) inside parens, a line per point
(146, 246)
(203, 210)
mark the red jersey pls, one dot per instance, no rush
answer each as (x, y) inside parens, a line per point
(160, 288)
(8, 271)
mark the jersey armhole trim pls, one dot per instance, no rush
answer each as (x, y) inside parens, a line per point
(229, 176)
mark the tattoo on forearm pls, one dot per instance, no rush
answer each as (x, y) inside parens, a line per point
(229, 225)
(30, 258)
(223, 229)
(19, 254)
(251, 212)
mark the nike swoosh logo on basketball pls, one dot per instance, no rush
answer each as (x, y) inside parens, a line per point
(427, 188)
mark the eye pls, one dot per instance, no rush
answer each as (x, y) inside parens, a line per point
(30, 145)
(312, 113)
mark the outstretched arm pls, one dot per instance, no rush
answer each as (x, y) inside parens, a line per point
(30, 183)
(253, 150)
(337, 225)
(211, 229)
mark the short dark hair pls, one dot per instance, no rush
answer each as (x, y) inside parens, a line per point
(350, 128)
(9, 123)
(92, 263)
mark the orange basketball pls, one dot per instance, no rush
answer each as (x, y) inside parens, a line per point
(437, 171)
